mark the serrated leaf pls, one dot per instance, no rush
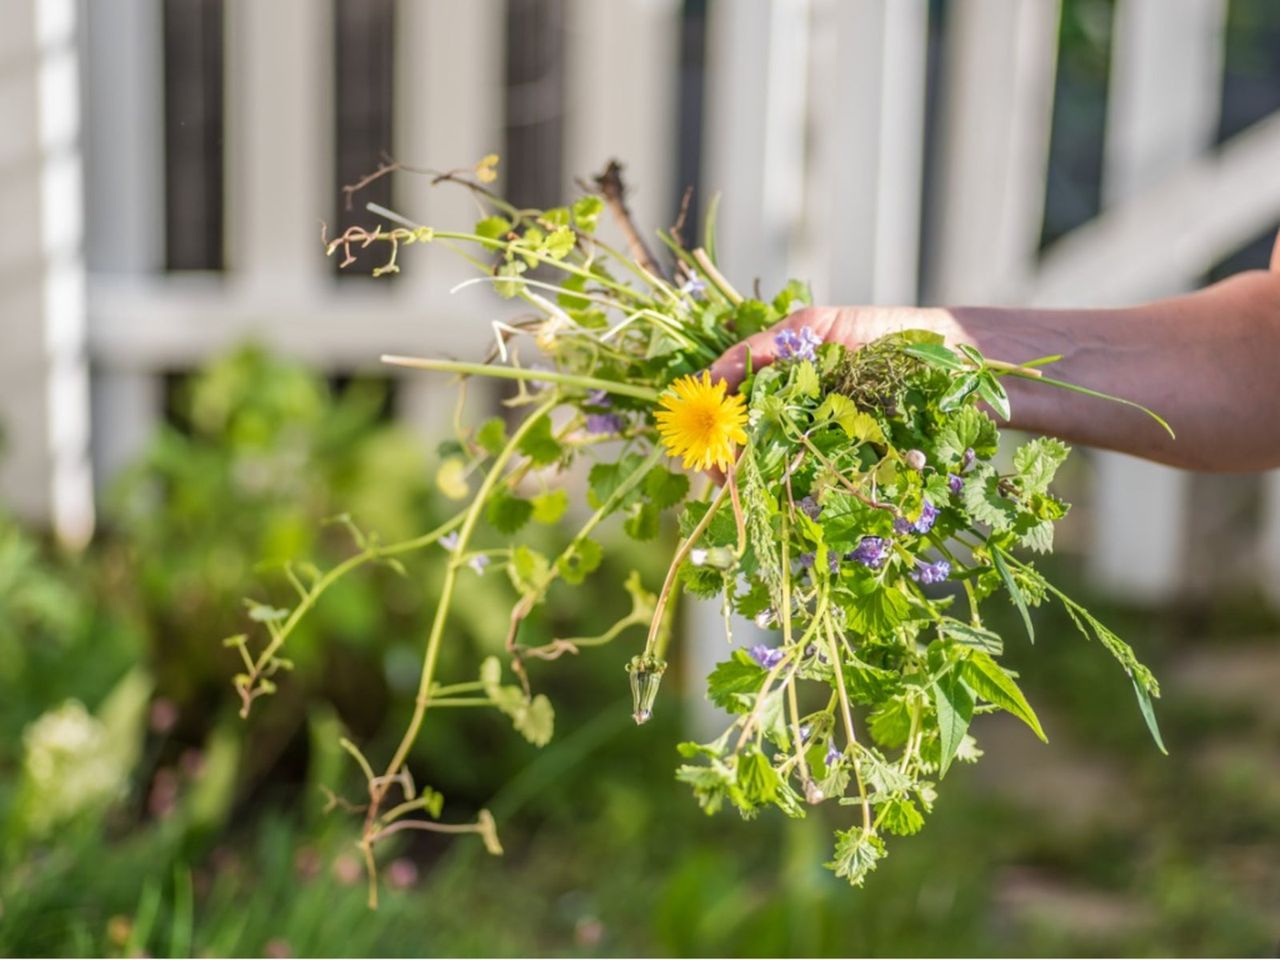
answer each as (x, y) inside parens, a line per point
(733, 684)
(954, 705)
(535, 721)
(890, 723)
(856, 855)
(990, 681)
(539, 445)
(559, 243)
(528, 569)
(984, 502)
(664, 488)
(901, 816)
(507, 513)
(582, 557)
(1037, 461)
(492, 435)
(968, 428)
(586, 212)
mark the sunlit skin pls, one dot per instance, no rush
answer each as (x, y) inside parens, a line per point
(1206, 361)
(700, 424)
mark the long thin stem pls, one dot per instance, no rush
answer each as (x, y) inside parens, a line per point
(847, 715)
(522, 373)
(446, 596)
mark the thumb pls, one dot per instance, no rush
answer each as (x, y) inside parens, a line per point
(762, 349)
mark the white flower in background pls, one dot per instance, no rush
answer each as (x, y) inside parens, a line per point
(70, 766)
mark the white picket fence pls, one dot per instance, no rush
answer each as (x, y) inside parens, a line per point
(814, 131)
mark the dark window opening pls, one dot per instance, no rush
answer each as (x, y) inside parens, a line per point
(1073, 194)
(690, 113)
(533, 160)
(193, 130)
(1251, 77)
(364, 41)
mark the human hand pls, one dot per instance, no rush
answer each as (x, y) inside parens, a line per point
(851, 326)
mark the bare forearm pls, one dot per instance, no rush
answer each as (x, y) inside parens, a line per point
(1208, 362)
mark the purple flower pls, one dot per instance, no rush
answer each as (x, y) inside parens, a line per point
(694, 287)
(450, 540)
(605, 423)
(967, 460)
(923, 524)
(805, 730)
(598, 398)
(767, 657)
(805, 560)
(927, 573)
(871, 552)
(955, 483)
(765, 619)
(809, 507)
(797, 346)
(478, 563)
(833, 562)
(833, 755)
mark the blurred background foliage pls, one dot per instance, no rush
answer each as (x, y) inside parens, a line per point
(140, 815)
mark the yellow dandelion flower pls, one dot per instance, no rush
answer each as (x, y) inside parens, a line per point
(700, 424)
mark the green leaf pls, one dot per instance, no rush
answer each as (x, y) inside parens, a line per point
(605, 478)
(984, 501)
(805, 379)
(857, 424)
(990, 681)
(586, 212)
(535, 720)
(582, 557)
(968, 428)
(528, 569)
(539, 445)
(936, 354)
(549, 507)
(493, 228)
(856, 855)
(959, 392)
(1015, 593)
(992, 391)
(954, 705)
(877, 610)
(664, 488)
(1038, 461)
(643, 525)
(492, 435)
(901, 816)
(506, 513)
(451, 479)
(977, 637)
(560, 243)
(796, 291)
(1149, 714)
(733, 684)
(890, 723)
(507, 286)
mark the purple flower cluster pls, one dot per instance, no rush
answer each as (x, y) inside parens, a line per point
(927, 573)
(797, 346)
(805, 560)
(872, 552)
(767, 657)
(955, 483)
(923, 524)
(810, 507)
